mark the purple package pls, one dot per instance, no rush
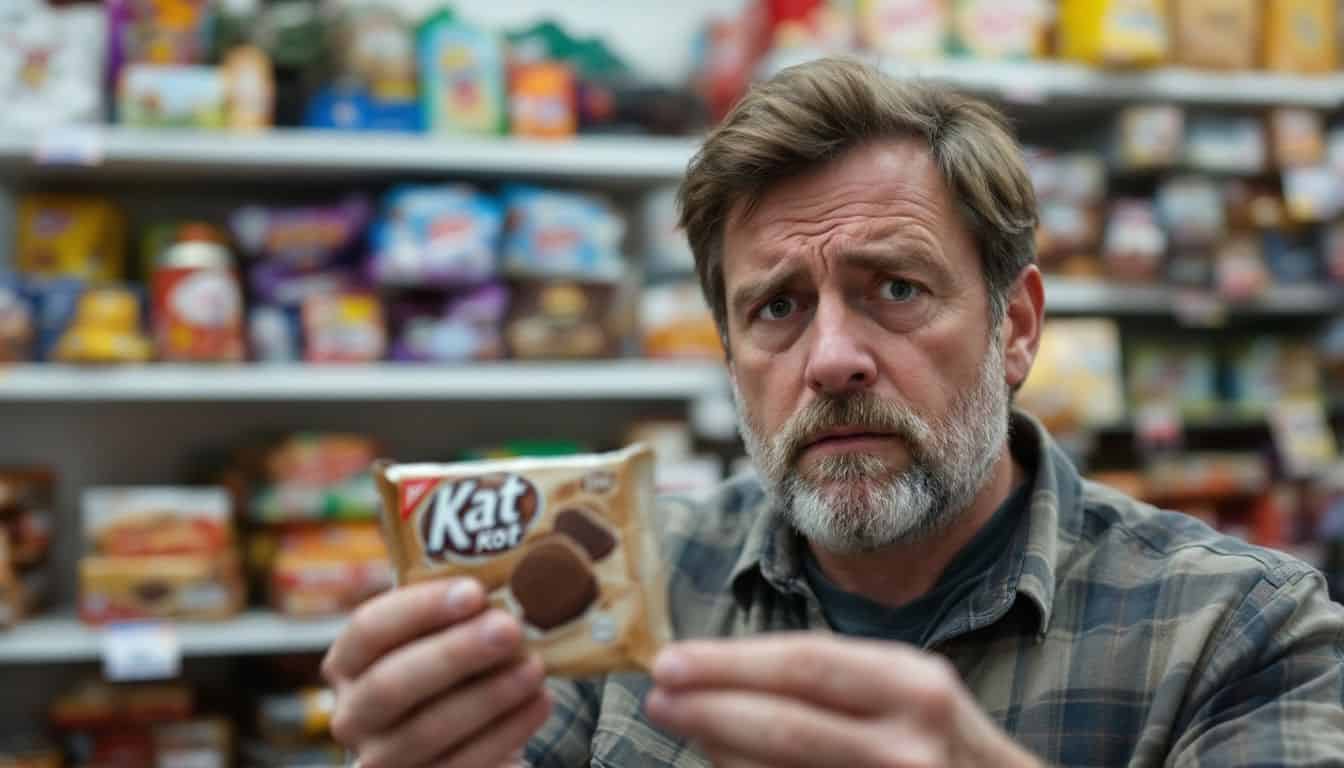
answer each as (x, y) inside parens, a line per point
(302, 238)
(457, 329)
(279, 285)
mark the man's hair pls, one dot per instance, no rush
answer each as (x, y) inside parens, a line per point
(810, 114)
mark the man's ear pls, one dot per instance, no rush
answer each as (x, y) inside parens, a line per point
(1021, 328)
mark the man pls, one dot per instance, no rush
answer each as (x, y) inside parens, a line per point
(866, 246)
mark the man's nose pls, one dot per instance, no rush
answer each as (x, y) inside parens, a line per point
(839, 361)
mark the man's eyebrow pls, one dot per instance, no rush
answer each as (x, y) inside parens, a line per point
(893, 258)
(754, 291)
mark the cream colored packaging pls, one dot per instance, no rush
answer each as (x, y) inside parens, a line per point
(562, 543)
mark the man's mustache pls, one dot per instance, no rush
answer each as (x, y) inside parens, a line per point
(863, 411)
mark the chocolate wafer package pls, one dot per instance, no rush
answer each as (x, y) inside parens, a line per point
(562, 543)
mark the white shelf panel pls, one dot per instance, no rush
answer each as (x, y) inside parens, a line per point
(1044, 81)
(188, 152)
(63, 638)
(606, 380)
(1095, 297)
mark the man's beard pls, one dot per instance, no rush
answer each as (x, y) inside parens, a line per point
(852, 503)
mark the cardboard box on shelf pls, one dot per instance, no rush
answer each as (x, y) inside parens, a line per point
(187, 587)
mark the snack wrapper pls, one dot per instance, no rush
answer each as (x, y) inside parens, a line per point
(564, 544)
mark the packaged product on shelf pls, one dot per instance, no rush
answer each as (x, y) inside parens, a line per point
(274, 334)
(1270, 370)
(561, 234)
(10, 601)
(1191, 209)
(376, 86)
(1333, 252)
(563, 543)
(1070, 189)
(115, 725)
(302, 238)
(543, 100)
(675, 322)
(249, 87)
(277, 285)
(998, 29)
(205, 742)
(1149, 136)
(172, 96)
(142, 521)
(1241, 273)
(1075, 381)
(177, 32)
(186, 587)
(1312, 194)
(1114, 33)
(105, 328)
(1292, 256)
(1184, 377)
(343, 328)
(346, 108)
(297, 717)
(563, 319)
(1233, 144)
(909, 29)
(17, 325)
(197, 300)
(27, 496)
(1300, 36)
(436, 236)
(1215, 34)
(665, 250)
(458, 328)
(328, 569)
(51, 65)
(54, 304)
(1252, 205)
(28, 750)
(1298, 137)
(1135, 245)
(62, 236)
(462, 77)
(1204, 476)
(310, 477)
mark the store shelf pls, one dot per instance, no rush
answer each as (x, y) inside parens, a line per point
(188, 153)
(606, 380)
(62, 638)
(1095, 297)
(1057, 81)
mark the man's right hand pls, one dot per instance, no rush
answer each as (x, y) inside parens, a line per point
(427, 674)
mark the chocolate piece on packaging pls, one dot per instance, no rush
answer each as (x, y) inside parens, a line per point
(562, 543)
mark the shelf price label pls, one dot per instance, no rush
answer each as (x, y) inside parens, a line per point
(75, 145)
(141, 651)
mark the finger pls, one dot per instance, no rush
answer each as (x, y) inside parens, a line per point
(721, 757)
(447, 723)
(396, 618)
(776, 731)
(502, 737)
(430, 666)
(840, 674)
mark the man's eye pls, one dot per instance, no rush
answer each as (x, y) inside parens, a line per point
(777, 308)
(899, 290)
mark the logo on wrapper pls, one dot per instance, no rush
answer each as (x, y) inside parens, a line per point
(478, 516)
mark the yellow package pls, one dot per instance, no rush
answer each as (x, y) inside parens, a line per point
(77, 237)
(1114, 33)
(562, 543)
(1300, 36)
(1215, 34)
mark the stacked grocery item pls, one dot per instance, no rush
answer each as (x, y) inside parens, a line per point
(293, 728)
(100, 724)
(432, 274)
(159, 552)
(314, 548)
(26, 498)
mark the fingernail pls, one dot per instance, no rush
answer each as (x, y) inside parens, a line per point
(498, 630)
(461, 596)
(658, 704)
(670, 667)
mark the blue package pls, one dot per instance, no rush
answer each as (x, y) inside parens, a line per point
(436, 236)
(54, 303)
(1292, 260)
(354, 109)
(16, 322)
(275, 334)
(561, 234)
(453, 330)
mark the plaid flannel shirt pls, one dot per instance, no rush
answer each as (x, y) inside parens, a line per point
(1112, 633)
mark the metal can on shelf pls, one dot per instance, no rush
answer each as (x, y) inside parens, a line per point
(197, 302)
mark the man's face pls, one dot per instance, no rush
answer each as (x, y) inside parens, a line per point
(870, 380)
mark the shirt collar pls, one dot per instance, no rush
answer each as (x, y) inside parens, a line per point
(772, 551)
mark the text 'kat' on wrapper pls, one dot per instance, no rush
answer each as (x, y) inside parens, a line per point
(561, 543)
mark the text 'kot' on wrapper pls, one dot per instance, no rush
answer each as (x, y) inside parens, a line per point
(564, 544)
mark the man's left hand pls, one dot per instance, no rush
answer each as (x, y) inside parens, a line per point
(818, 701)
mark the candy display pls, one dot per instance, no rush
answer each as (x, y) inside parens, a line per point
(70, 237)
(462, 77)
(327, 569)
(675, 322)
(905, 28)
(302, 238)
(17, 326)
(561, 543)
(1215, 34)
(441, 236)
(27, 506)
(311, 477)
(198, 302)
(1300, 36)
(460, 328)
(343, 328)
(105, 328)
(561, 234)
(1114, 32)
(557, 319)
(51, 62)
